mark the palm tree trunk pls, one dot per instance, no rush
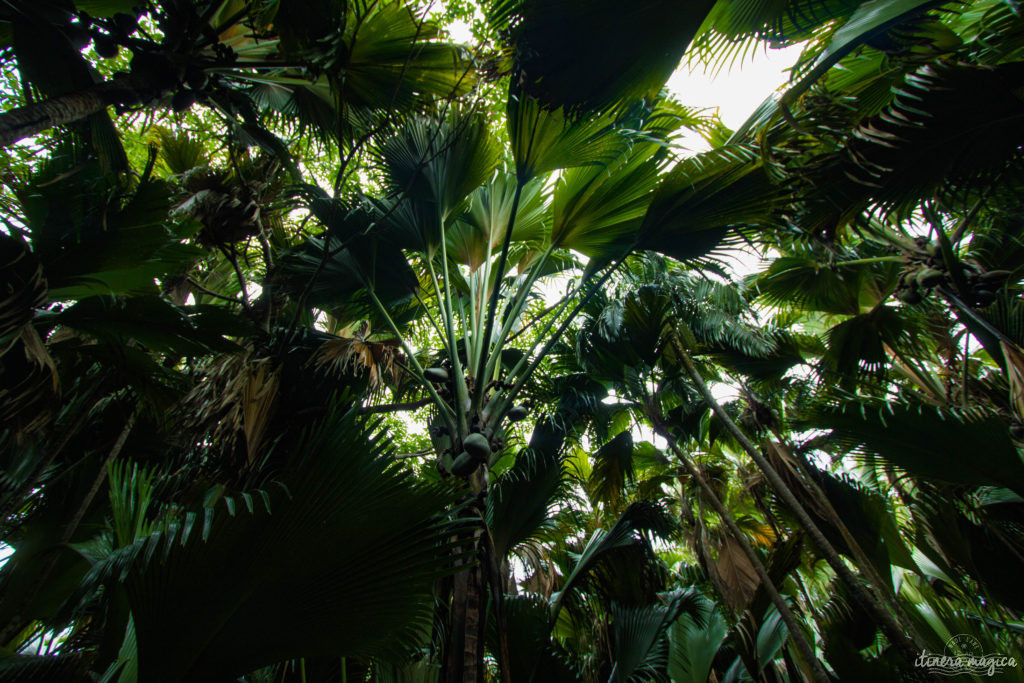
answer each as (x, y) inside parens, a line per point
(22, 122)
(892, 629)
(497, 591)
(863, 562)
(463, 660)
(463, 657)
(31, 119)
(755, 560)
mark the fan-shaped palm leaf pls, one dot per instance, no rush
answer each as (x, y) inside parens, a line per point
(520, 502)
(929, 443)
(640, 517)
(544, 140)
(435, 164)
(241, 587)
(598, 209)
(695, 640)
(480, 231)
(563, 54)
(702, 199)
(641, 649)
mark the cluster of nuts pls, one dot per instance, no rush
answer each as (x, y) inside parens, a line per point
(927, 270)
(477, 447)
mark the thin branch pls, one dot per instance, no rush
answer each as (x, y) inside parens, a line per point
(395, 407)
(210, 292)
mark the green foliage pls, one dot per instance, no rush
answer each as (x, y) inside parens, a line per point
(234, 231)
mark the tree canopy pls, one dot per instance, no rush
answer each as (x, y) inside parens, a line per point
(334, 349)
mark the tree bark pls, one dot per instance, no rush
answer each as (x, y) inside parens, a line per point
(31, 119)
(893, 631)
(463, 660)
(769, 586)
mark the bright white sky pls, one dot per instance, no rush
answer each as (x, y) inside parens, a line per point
(735, 93)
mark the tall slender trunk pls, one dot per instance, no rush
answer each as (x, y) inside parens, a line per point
(776, 598)
(463, 657)
(894, 632)
(463, 660)
(22, 122)
(31, 119)
(878, 585)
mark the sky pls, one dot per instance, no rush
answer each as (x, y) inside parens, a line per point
(735, 93)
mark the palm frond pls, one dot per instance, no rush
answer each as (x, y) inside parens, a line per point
(613, 469)
(641, 649)
(870, 20)
(695, 640)
(705, 198)
(544, 140)
(640, 518)
(343, 561)
(598, 209)
(481, 229)
(522, 499)
(435, 164)
(928, 443)
(553, 40)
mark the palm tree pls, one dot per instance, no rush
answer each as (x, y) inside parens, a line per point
(330, 65)
(190, 477)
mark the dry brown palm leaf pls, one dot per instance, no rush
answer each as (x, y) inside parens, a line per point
(259, 398)
(1015, 375)
(734, 574)
(358, 355)
(785, 463)
(542, 578)
(236, 397)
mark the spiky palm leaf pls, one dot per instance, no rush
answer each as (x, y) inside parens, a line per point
(553, 40)
(301, 576)
(929, 443)
(522, 499)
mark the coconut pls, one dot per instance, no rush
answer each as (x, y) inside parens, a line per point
(477, 446)
(517, 413)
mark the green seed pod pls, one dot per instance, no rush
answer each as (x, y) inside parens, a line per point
(929, 277)
(436, 375)
(196, 78)
(994, 276)
(984, 297)
(477, 446)
(934, 250)
(463, 465)
(517, 413)
(909, 296)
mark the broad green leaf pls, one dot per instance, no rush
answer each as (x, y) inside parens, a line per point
(704, 198)
(480, 231)
(544, 140)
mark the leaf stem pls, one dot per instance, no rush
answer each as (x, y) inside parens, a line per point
(493, 306)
